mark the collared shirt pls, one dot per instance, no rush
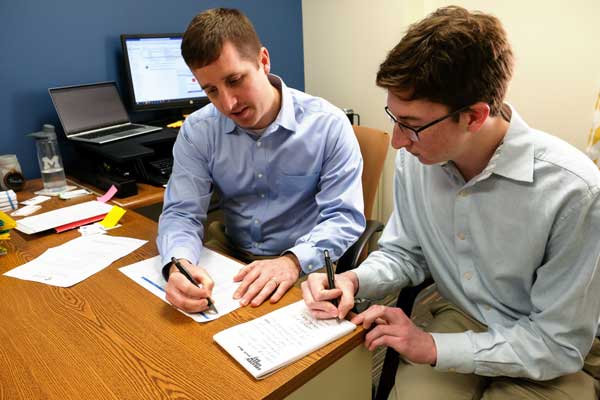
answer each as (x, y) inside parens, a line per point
(296, 187)
(517, 247)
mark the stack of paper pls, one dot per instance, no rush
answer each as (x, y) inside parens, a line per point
(90, 211)
(266, 344)
(72, 262)
(8, 201)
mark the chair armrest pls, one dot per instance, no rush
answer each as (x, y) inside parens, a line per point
(349, 260)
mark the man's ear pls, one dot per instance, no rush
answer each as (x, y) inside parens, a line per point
(264, 61)
(477, 114)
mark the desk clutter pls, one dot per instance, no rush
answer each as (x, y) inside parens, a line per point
(261, 347)
(8, 201)
(11, 176)
(75, 260)
(64, 218)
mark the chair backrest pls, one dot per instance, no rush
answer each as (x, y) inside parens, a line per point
(374, 145)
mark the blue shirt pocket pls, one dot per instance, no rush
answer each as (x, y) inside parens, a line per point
(298, 184)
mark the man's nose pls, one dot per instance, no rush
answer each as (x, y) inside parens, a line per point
(400, 139)
(228, 100)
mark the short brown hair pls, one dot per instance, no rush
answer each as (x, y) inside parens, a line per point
(453, 57)
(204, 37)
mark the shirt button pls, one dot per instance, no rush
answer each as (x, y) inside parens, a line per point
(260, 175)
(468, 275)
(262, 195)
(309, 267)
(461, 236)
(258, 144)
(256, 222)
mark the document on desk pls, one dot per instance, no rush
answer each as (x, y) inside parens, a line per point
(266, 344)
(62, 216)
(221, 269)
(76, 260)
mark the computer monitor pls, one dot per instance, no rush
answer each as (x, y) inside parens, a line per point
(157, 76)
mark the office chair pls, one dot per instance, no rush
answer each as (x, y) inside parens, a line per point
(374, 146)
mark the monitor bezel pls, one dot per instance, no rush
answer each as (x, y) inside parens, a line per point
(183, 104)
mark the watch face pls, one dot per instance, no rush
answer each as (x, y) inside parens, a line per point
(14, 180)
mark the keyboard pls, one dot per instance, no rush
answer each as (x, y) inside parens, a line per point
(164, 166)
(111, 131)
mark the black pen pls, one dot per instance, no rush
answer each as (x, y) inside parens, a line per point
(190, 278)
(330, 277)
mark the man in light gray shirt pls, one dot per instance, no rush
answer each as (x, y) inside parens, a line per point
(503, 217)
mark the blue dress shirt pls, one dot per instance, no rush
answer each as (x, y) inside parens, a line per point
(517, 247)
(295, 187)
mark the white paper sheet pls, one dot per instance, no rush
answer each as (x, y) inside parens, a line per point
(34, 201)
(221, 269)
(62, 216)
(270, 342)
(76, 260)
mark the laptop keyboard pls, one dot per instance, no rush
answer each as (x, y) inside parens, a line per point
(112, 131)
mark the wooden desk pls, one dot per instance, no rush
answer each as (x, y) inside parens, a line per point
(109, 338)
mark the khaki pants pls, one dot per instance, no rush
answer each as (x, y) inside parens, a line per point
(221, 243)
(423, 382)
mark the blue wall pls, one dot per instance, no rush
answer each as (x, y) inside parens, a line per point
(66, 42)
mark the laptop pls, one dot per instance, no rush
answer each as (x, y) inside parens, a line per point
(94, 113)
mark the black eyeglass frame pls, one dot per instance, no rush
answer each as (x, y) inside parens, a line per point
(415, 131)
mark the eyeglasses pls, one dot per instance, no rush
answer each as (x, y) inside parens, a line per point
(413, 133)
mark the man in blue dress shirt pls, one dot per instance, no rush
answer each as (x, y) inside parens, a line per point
(286, 165)
(503, 217)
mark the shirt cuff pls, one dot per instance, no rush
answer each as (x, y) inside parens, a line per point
(180, 252)
(454, 352)
(309, 258)
(365, 278)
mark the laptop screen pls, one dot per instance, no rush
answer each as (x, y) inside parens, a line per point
(86, 107)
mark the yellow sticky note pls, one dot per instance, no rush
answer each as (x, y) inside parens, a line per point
(6, 221)
(176, 124)
(113, 217)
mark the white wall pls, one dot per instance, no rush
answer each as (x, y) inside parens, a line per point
(556, 44)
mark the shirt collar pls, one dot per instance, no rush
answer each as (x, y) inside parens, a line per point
(514, 158)
(286, 118)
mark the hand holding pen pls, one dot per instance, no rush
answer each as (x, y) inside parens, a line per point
(323, 292)
(182, 298)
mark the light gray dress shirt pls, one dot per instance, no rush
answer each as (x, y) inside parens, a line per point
(517, 247)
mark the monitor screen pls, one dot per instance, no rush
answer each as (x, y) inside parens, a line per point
(157, 76)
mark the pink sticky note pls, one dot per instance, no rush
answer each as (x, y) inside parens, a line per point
(108, 195)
